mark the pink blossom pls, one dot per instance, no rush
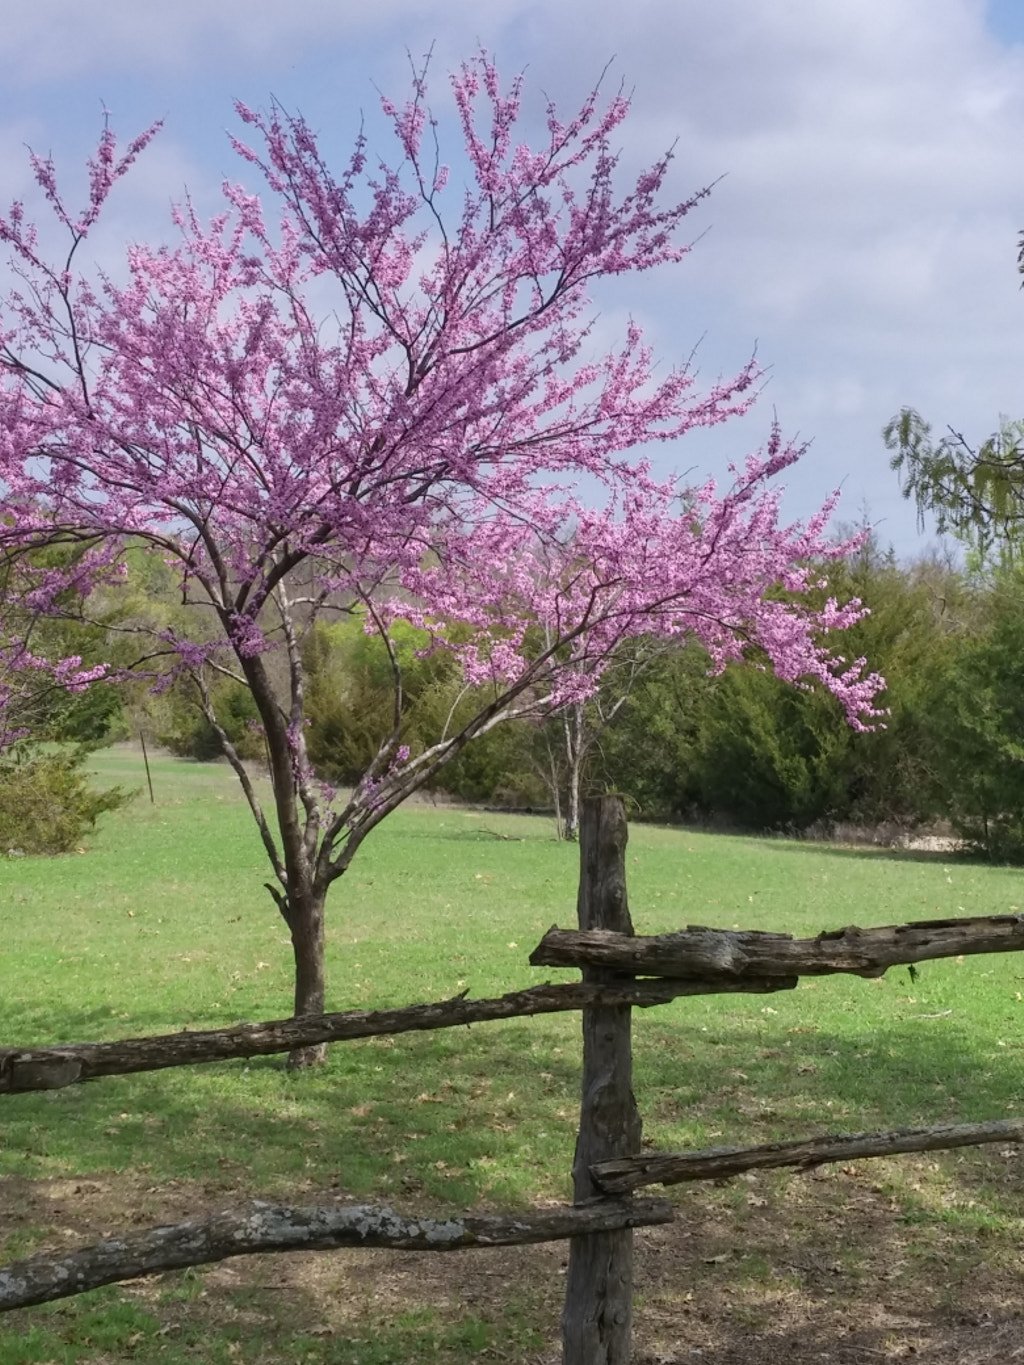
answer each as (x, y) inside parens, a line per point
(376, 387)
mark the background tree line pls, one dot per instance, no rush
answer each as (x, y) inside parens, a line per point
(738, 749)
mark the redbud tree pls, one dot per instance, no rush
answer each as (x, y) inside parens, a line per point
(376, 389)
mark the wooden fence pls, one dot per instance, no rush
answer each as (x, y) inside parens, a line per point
(608, 1165)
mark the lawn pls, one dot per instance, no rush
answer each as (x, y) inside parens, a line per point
(162, 922)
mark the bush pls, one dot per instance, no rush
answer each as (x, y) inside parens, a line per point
(46, 803)
(981, 723)
(502, 767)
(185, 732)
(350, 695)
(744, 749)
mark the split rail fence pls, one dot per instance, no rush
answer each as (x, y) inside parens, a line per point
(620, 971)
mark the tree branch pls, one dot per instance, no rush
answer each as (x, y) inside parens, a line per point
(231, 754)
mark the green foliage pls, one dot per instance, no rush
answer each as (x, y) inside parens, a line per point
(350, 694)
(754, 752)
(46, 802)
(47, 711)
(119, 621)
(740, 749)
(95, 716)
(504, 767)
(977, 494)
(647, 753)
(919, 617)
(350, 702)
(981, 724)
(765, 753)
(182, 728)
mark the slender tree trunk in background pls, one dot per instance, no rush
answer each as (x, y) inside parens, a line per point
(547, 771)
(572, 723)
(145, 759)
(572, 819)
(556, 795)
(306, 923)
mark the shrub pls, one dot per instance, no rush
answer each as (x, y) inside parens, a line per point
(46, 803)
(185, 731)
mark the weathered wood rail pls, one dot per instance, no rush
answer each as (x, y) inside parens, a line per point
(619, 1176)
(51, 1068)
(714, 955)
(260, 1227)
(609, 1164)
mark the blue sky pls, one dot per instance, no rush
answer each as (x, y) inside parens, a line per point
(1006, 20)
(862, 234)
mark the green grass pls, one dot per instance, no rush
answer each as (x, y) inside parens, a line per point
(163, 923)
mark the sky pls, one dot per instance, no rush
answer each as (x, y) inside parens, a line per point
(861, 235)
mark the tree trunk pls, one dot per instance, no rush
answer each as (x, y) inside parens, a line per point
(306, 923)
(572, 819)
(556, 797)
(574, 754)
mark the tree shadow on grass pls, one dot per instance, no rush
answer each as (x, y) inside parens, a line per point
(795, 1269)
(450, 1118)
(453, 1115)
(24, 1024)
(783, 1267)
(884, 1077)
(348, 1308)
(481, 835)
(930, 857)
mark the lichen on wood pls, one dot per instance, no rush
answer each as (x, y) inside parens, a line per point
(259, 1227)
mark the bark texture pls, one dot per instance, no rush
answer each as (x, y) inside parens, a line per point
(51, 1068)
(597, 1321)
(718, 1163)
(264, 1227)
(714, 954)
(306, 924)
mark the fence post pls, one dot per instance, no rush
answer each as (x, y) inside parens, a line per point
(597, 1320)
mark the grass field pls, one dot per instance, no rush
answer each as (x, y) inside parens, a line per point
(162, 922)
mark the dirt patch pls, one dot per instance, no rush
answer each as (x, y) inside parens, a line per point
(775, 1270)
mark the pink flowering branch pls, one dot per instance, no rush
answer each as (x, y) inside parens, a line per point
(378, 387)
(28, 680)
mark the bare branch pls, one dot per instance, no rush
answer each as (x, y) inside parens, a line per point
(241, 772)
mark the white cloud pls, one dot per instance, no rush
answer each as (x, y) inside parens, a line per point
(864, 235)
(61, 39)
